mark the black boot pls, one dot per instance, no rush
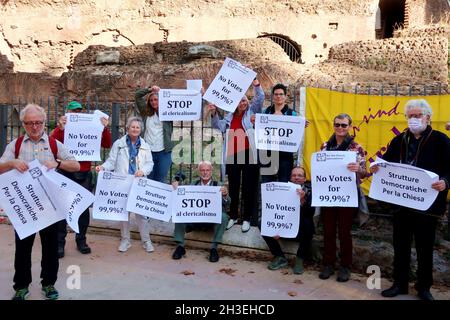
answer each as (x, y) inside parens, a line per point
(394, 291)
(83, 247)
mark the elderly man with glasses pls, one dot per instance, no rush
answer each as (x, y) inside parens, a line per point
(423, 147)
(36, 144)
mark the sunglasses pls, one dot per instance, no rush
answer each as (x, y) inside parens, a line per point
(342, 125)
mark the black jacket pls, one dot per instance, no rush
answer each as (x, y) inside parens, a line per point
(433, 155)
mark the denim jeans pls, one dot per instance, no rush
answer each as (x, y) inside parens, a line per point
(162, 161)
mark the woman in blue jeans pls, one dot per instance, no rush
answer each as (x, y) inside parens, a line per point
(156, 133)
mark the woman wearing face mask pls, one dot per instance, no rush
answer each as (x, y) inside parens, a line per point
(156, 133)
(341, 218)
(425, 148)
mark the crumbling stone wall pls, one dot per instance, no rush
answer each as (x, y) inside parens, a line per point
(46, 35)
(435, 30)
(424, 57)
(423, 12)
(116, 72)
(5, 64)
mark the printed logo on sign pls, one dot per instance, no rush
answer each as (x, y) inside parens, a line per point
(142, 183)
(166, 94)
(382, 165)
(107, 175)
(36, 173)
(180, 191)
(321, 156)
(270, 187)
(234, 65)
(73, 118)
(264, 119)
(63, 184)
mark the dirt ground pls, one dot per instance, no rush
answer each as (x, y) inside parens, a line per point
(107, 274)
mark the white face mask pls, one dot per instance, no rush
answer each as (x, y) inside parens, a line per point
(416, 125)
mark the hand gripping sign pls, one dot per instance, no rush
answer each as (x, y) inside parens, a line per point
(278, 132)
(197, 204)
(280, 214)
(111, 195)
(404, 185)
(151, 199)
(180, 105)
(333, 185)
(83, 136)
(229, 85)
(38, 198)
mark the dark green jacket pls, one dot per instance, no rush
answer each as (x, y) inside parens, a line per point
(141, 104)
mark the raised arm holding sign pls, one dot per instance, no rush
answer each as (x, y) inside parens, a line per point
(229, 85)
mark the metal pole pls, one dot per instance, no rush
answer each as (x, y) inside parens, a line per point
(3, 127)
(115, 121)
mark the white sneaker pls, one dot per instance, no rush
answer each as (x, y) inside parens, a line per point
(245, 226)
(148, 246)
(124, 245)
(231, 223)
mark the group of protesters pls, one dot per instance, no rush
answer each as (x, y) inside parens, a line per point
(146, 151)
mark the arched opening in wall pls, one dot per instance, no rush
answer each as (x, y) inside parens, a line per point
(390, 16)
(292, 49)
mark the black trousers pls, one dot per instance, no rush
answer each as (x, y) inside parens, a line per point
(409, 224)
(249, 173)
(304, 238)
(49, 260)
(83, 179)
(278, 168)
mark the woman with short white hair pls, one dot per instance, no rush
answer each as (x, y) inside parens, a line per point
(131, 155)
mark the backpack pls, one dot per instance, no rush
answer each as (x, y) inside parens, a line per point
(51, 142)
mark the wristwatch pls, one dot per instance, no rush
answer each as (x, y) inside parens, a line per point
(59, 163)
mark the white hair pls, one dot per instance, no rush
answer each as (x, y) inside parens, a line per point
(32, 107)
(134, 119)
(421, 104)
(204, 162)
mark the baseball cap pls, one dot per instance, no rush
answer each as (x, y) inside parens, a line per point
(74, 105)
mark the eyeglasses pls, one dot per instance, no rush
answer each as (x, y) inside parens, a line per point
(33, 123)
(278, 94)
(342, 125)
(416, 116)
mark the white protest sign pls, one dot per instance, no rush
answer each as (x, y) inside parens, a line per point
(72, 198)
(197, 204)
(25, 200)
(111, 195)
(179, 105)
(280, 214)
(333, 185)
(229, 85)
(101, 114)
(278, 132)
(83, 136)
(151, 199)
(403, 185)
(194, 85)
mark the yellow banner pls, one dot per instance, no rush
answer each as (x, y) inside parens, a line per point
(376, 120)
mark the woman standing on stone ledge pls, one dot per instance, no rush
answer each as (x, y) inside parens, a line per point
(340, 218)
(240, 156)
(156, 133)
